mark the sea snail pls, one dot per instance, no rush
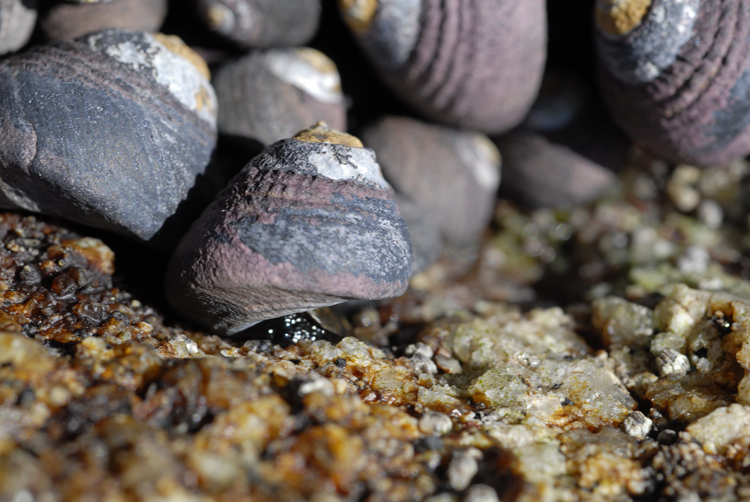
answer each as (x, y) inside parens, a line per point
(262, 23)
(676, 75)
(269, 95)
(465, 63)
(109, 130)
(310, 222)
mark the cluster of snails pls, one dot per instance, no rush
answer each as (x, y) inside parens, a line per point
(109, 125)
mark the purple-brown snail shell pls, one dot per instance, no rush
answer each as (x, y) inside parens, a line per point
(17, 19)
(676, 75)
(68, 21)
(464, 63)
(262, 23)
(269, 95)
(308, 223)
(109, 130)
(451, 176)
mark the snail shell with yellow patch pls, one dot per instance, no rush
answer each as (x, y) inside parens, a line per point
(308, 223)
(467, 63)
(109, 130)
(269, 95)
(676, 75)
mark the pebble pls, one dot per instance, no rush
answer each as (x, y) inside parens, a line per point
(637, 425)
(17, 20)
(481, 493)
(463, 467)
(463, 167)
(537, 173)
(67, 21)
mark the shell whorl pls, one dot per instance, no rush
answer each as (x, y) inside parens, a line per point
(464, 63)
(638, 50)
(688, 100)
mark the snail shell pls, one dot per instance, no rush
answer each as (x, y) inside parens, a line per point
(262, 23)
(308, 223)
(451, 175)
(110, 130)
(675, 74)
(467, 63)
(270, 95)
(17, 19)
(68, 21)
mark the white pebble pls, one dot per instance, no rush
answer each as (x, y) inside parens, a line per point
(672, 362)
(481, 493)
(637, 425)
(463, 468)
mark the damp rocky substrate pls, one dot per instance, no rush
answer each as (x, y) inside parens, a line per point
(597, 353)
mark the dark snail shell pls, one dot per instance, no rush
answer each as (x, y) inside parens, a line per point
(451, 175)
(465, 63)
(262, 23)
(676, 74)
(17, 19)
(270, 95)
(68, 21)
(308, 223)
(110, 130)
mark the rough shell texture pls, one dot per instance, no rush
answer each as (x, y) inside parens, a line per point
(304, 225)
(270, 95)
(677, 82)
(85, 137)
(463, 169)
(538, 173)
(466, 63)
(17, 19)
(262, 23)
(69, 21)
